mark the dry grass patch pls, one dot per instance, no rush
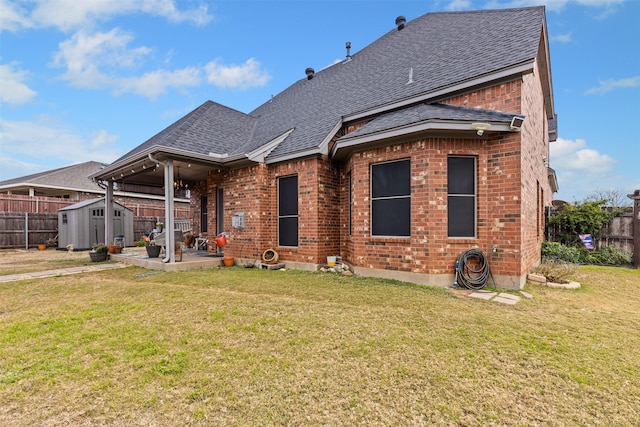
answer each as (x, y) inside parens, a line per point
(19, 261)
(255, 347)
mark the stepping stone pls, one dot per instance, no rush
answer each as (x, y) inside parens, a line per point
(485, 295)
(509, 296)
(526, 294)
(504, 300)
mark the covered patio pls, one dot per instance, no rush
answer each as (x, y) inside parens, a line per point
(192, 259)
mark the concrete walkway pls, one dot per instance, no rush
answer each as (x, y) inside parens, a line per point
(61, 272)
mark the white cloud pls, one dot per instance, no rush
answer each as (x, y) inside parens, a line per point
(156, 82)
(73, 14)
(84, 55)
(561, 38)
(106, 61)
(576, 156)
(44, 139)
(611, 84)
(459, 5)
(12, 89)
(242, 76)
(581, 170)
(12, 18)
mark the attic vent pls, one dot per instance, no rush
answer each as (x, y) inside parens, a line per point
(309, 72)
(400, 21)
(348, 51)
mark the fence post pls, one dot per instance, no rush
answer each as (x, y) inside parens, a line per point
(636, 227)
(26, 230)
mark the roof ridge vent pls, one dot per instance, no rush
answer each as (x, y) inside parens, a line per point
(400, 21)
(310, 72)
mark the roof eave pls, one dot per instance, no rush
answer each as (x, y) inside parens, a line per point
(346, 145)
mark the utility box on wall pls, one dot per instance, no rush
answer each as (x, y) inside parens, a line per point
(237, 220)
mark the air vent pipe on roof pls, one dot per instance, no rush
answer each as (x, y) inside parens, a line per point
(309, 72)
(348, 51)
(400, 21)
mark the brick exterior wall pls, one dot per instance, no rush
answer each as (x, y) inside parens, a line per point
(512, 190)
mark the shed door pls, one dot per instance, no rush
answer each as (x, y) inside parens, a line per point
(96, 226)
(118, 223)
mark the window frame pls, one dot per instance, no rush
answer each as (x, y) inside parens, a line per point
(387, 198)
(473, 195)
(288, 215)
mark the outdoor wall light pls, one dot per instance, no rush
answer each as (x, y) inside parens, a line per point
(480, 127)
(516, 123)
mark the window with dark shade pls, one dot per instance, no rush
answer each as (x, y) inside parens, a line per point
(391, 199)
(204, 216)
(288, 211)
(461, 198)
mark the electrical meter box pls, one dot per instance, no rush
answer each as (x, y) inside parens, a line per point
(237, 220)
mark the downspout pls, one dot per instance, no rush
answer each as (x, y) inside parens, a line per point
(170, 251)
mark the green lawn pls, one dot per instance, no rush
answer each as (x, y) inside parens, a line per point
(256, 347)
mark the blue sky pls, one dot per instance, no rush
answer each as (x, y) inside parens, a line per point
(90, 80)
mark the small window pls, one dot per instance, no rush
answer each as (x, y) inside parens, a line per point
(391, 199)
(461, 198)
(64, 218)
(288, 211)
(204, 215)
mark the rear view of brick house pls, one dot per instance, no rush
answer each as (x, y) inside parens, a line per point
(432, 140)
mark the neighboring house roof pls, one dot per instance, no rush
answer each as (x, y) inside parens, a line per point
(430, 58)
(71, 178)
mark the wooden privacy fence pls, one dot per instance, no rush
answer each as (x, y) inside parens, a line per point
(27, 230)
(39, 204)
(26, 222)
(618, 233)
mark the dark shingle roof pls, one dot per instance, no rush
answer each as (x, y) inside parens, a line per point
(423, 112)
(70, 177)
(209, 128)
(442, 50)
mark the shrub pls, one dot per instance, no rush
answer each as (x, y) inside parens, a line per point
(557, 252)
(556, 271)
(100, 247)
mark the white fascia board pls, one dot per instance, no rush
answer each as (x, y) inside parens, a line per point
(324, 145)
(260, 153)
(413, 128)
(519, 69)
(322, 148)
(47, 186)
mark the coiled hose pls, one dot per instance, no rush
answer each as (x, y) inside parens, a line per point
(472, 270)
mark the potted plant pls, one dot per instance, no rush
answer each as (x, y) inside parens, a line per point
(115, 249)
(159, 226)
(99, 252)
(188, 239)
(153, 250)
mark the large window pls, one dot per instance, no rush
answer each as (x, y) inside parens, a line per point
(461, 200)
(391, 199)
(288, 211)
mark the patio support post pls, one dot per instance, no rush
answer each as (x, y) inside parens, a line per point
(108, 214)
(170, 249)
